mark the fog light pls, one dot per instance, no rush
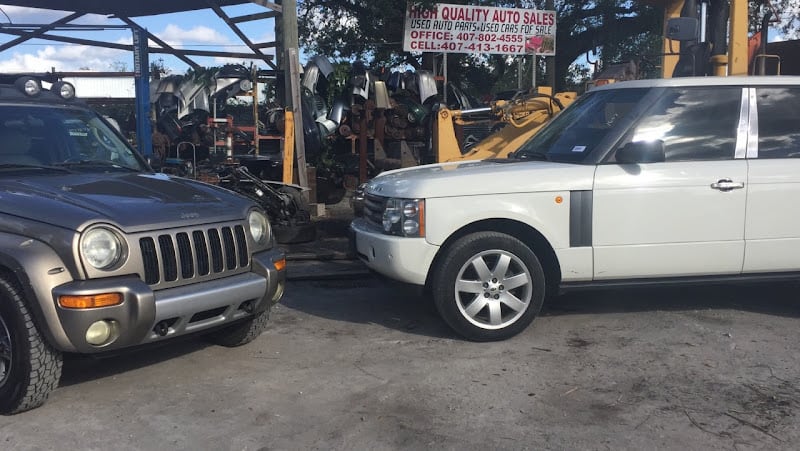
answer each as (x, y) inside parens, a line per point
(101, 332)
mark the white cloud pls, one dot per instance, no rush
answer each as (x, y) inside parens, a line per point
(66, 58)
(174, 35)
(62, 57)
(22, 14)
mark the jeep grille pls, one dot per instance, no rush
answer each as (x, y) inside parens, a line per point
(190, 254)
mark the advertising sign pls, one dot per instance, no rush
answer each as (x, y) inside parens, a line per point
(480, 29)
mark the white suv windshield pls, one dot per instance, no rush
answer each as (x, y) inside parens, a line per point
(575, 133)
(67, 137)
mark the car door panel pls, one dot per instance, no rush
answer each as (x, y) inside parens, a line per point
(772, 227)
(683, 216)
(665, 219)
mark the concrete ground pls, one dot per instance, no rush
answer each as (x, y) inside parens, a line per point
(348, 363)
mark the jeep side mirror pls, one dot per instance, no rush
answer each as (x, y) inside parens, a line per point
(683, 29)
(641, 152)
(155, 163)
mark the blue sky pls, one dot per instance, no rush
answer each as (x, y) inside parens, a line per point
(201, 30)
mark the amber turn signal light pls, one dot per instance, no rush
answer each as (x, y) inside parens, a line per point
(280, 265)
(90, 301)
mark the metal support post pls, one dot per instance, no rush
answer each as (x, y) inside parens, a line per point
(141, 68)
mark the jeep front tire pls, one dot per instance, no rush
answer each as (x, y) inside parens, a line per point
(241, 333)
(29, 367)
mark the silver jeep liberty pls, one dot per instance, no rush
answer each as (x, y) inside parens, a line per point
(100, 253)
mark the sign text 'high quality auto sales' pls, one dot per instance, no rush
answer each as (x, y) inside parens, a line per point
(480, 29)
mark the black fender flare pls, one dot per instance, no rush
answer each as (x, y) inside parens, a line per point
(22, 256)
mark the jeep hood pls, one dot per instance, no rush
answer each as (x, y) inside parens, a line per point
(476, 178)
(134, 202)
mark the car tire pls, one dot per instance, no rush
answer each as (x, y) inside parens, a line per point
(489, 286)
(241, 333)
(29, 366)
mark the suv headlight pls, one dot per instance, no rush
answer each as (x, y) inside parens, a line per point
(102, 248)
(260, 229)
(404, 217)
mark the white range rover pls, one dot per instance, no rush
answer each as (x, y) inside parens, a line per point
(650, 181)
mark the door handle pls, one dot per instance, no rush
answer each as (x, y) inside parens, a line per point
(726, 185)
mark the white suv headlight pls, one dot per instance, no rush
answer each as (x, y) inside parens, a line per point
(260, 229)
(404, 217)
(101, 248)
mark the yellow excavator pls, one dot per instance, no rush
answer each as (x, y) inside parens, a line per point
(517, 120)
(710, 37)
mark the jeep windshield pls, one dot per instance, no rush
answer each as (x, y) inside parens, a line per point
(50, 137)
(574, 134)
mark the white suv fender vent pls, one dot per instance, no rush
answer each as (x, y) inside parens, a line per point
(580, 218)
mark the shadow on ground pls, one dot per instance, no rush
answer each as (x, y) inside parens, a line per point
(768, 298)
(372, 300)
(368, 300)
(79, 368)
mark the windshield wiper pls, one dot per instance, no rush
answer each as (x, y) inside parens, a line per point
(540, 156)
(32, 166)
(95, 163)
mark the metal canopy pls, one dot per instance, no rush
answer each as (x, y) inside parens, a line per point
(121, 9)
(126, 11)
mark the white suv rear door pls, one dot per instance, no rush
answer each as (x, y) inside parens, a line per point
(772, 231)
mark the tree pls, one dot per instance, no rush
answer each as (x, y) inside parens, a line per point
(118, 66)
(373, 30)
(785, 18)
(158, 68)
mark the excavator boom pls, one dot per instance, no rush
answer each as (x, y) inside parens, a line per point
(518, 120)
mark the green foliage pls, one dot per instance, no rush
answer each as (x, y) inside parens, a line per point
(785, 17)
(158, 68)
(372, 30)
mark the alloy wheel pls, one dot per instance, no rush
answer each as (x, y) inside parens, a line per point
(493, 289)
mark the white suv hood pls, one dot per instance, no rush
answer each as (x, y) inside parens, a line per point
(481, 177)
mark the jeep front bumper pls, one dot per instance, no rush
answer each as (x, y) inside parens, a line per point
(146, 316)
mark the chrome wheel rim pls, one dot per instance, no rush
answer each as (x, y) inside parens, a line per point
(5, 352)
(493, 289)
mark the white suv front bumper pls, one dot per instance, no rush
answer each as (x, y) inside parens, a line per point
(404, 259)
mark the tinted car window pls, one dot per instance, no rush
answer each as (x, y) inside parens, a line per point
(693, 123)
(576, 132)
(778, 122)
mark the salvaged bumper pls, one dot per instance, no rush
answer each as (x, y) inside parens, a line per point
(146, 316)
